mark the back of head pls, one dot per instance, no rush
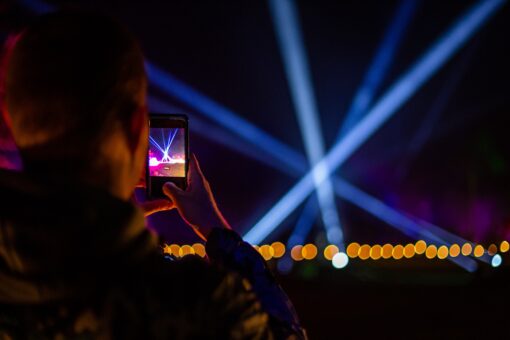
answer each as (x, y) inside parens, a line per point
(70, 76)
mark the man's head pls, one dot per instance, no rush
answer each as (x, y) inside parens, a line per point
(75, 97)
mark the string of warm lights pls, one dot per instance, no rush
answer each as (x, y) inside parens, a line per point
(363, 252)
(184, 250)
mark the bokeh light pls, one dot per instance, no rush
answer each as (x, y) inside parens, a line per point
(387, 250)
(175, 250)
(375, 252)
(364, 252)
(420, 247)
(431, 251)
(340, 260)
(330, 251)
(267, 252)
(496, 261)
(199, 249)
(186, 250)
(504, 246)
(296, 254)
(353, 250)
(454, 250)
(409, 250)
(278, 249)
(442, 252)
(398, 252)
(166, 249)
(478, 251)
(492, 250)
(309, 251)
(467, 249)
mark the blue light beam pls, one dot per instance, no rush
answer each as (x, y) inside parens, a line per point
(222, 115)
(398, 94)
(163, 138)
(229, 140)
(379, 66)
(304, 223)
(171, 137)
(412, 227)
(371, 83)
(156, 144)
(221, 137)
(286, 22)
(295, 169)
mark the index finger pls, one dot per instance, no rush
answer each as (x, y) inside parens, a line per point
(195, 175)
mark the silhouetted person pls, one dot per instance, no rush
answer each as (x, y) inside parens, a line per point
(76, 259)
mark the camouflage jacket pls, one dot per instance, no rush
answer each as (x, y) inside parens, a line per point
(78, 263)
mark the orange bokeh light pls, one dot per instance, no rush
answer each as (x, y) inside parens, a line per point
(296, 254)
(466, 249)
(309, 251)
(398, 252)
(442, 252)
(353, 250)
(409, 250)
(330, 251)
(175, 250)
(166, 249)
(186, 250)
(387, 250)
(279, 249)
(364, 252)
(454, 250)
(199, 249)
(267, 252)
(478, 251)
(375, 252)
(431, 251)
(504, 247)
(420, 247)
(492, 250)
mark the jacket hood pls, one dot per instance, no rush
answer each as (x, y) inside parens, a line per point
(54, 237)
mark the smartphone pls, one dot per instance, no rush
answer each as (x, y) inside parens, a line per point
(168, 155)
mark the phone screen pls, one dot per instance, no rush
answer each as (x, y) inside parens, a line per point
(167, 156)
(167, 152)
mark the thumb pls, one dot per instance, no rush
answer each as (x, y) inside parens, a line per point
(172, 190)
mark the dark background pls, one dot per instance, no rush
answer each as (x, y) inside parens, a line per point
(457, 177)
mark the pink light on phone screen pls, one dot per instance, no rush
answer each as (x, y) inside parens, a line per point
(153, 161)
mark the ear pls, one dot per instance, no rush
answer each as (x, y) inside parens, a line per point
(136, 126)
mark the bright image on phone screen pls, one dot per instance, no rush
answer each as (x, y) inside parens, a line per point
(167, 155)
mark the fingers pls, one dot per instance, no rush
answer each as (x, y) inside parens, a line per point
(196, 165)
(172, 191)
(195, 175)
(151, 207)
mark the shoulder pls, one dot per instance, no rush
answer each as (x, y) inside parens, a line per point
(191, 297)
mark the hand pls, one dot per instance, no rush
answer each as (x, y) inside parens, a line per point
(196, 204)
(151, 207)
